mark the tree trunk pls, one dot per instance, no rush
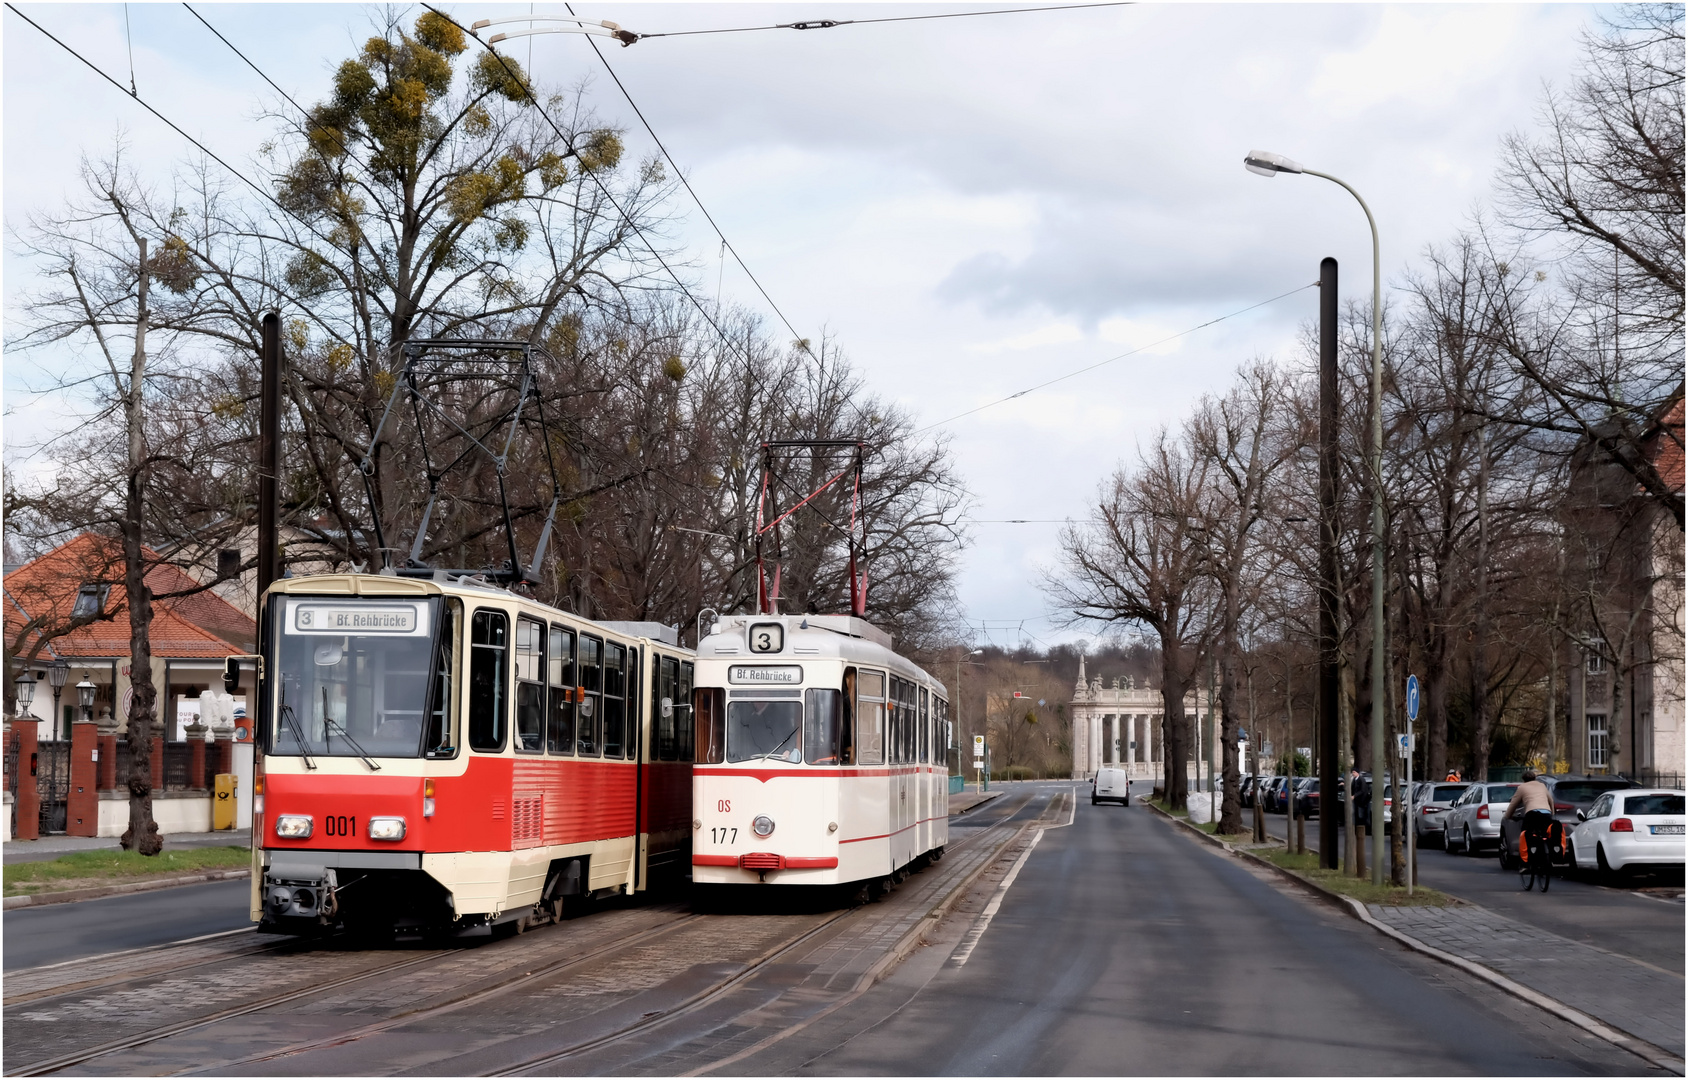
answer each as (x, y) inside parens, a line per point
(1173, 688)
(142, 834)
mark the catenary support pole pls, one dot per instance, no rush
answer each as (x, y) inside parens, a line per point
(1329, 642)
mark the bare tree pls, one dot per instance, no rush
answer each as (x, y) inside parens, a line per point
(1247, 436)
(1143, 561)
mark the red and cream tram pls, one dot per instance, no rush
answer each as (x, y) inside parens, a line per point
(445, 755)
(821, 755)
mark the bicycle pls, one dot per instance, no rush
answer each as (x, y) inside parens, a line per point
(1537, 864)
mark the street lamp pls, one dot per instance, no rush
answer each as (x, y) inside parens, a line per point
(1265, 163)
(85, 697)
(57, 672)
(25, 690)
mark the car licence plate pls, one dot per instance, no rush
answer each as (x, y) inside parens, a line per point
(1667, 830)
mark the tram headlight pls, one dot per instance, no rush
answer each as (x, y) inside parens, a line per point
(763, 826)
(386, 828)
(294, 826)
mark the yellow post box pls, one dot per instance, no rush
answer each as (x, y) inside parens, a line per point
(223, 802)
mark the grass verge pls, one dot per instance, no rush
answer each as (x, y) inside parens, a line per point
(88, 869)
(1307, 866)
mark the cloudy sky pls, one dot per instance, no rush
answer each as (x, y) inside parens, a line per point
(970, 205)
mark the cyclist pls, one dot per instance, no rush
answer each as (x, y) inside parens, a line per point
(1536, 802)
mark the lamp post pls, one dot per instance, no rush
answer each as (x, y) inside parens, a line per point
(57, 673)
(1265, 163)
(85, 697)
(25, 685)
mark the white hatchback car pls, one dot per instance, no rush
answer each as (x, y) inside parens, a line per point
(1631, 828)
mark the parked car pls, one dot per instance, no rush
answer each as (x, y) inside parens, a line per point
(1570, 795)
(1245, 792)
(1362, 802)
(1277, 795)
(1307, 797)
(1473, 821)
(1110, 785)
(1430, 808)
(1573, 792)
(1625, 830)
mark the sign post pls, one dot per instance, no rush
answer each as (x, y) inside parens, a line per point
(979, 760)
(1407, 753)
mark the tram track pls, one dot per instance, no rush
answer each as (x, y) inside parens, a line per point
(78, 1057)
(474, 995)
(107, 981)
(710, 994)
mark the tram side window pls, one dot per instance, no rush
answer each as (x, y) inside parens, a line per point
(489, 633)
(665, 709)
(711, 707)
(823, 727)
(591, 717)
(847, 723)
(683, 711)
(925, 726)
(530, 687)
(559, 721)
(615, 700)
(442, 706)
(870, 718)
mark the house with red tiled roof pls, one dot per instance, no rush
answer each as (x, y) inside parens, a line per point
(70, 604)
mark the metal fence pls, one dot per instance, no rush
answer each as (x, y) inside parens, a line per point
(178, 767)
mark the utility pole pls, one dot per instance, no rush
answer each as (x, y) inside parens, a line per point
(1329, 638)
(269, 491)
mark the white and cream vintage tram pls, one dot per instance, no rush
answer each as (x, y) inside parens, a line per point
(821, 755)
(441, 754)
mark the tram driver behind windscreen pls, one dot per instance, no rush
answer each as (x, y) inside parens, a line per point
(764, 731)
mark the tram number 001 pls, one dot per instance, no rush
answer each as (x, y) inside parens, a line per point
(723, 836)
(340, 825)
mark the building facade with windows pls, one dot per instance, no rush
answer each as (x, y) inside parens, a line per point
(1623, 590)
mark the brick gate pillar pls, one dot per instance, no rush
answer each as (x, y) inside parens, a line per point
(28, 795)
(82, 809)
(196, 754)
(223, 749)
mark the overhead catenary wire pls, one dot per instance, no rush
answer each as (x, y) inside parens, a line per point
(171, 124)
(1112, 359)
(829, 24)
(725, 243)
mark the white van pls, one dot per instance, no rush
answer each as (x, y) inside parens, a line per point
(1111, 785)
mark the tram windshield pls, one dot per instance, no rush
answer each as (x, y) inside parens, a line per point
(355, 675)
(764, 731)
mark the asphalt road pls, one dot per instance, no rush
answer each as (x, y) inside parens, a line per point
(1124, 946)
(54, 933)
(1639, 923)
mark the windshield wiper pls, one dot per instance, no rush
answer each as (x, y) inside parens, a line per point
(329, 722)
(298, 736)
(781, 746)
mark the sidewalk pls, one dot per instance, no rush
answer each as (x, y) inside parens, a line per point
(51, 847)
(963, 801)
(1631, 996)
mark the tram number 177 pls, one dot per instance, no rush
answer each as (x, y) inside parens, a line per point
(723, 836)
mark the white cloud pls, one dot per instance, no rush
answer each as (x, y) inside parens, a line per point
(971, 205)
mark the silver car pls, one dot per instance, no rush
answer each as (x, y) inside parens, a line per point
(1431, 802)
(1472, 823)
